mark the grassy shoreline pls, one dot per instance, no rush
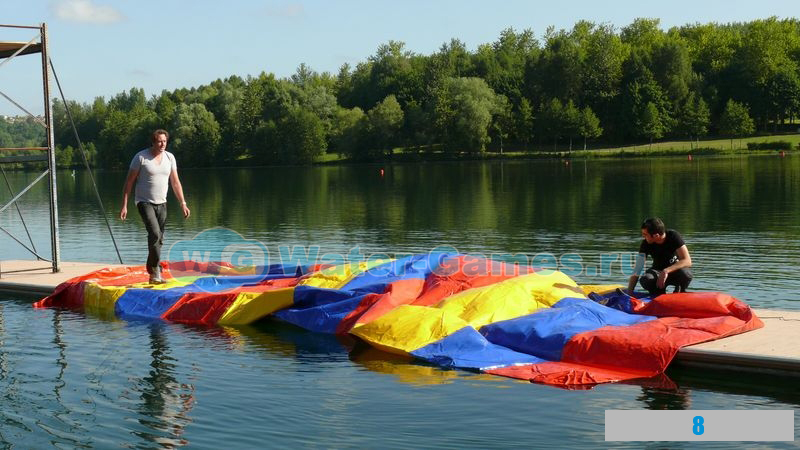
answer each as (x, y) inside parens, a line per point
(713, 147)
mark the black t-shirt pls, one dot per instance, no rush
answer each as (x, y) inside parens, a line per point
(663, 254)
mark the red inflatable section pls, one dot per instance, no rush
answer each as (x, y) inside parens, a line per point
(646, 349)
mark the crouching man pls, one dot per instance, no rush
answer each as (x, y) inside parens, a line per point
(671, 260)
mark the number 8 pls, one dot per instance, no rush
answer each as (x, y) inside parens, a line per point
(698, 425)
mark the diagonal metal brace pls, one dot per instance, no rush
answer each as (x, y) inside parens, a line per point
(32, 251)
(19, 51)
(27, 188)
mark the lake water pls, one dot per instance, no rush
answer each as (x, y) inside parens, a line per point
(70, 380)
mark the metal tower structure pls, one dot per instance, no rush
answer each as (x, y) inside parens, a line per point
(9, 51)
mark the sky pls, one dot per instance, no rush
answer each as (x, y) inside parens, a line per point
(100, 48)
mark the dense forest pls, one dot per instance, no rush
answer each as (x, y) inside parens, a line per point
(593, 83)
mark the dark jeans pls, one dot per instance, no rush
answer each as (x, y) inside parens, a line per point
(154, 218)
(680, 279)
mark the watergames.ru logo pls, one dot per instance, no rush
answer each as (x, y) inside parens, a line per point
(224, 251)
(220, 246)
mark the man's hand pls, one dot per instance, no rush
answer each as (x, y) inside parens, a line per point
(186, 211)
(123, 213)
(662, 279)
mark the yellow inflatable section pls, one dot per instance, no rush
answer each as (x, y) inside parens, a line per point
(338, 276)
(251, 306)
(410, 327)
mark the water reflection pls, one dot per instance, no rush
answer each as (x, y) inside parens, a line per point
(166, 403)
(3, 357)
(162, 393)
(276, 338)
(655, 398)
(282, 339)
(127, 385)
(527, 207)
(777, 387)
(406, 370)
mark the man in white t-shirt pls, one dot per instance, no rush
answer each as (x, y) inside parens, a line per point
(153, 170)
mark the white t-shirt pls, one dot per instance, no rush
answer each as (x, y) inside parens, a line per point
(153, 180)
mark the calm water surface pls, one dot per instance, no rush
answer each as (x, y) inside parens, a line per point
(68, 379)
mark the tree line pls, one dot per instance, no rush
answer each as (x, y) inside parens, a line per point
(590, 84)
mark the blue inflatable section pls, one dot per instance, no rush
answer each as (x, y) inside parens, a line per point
(468, 349)
(415, 266)
(545, 332)
(148, 303)
(319, 309)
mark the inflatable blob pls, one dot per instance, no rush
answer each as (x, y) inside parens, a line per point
(448, 310)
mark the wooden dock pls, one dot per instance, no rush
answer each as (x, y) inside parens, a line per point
(38, 278)
(775, 348)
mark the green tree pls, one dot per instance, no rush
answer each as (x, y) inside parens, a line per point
(687, 73)
(642, 90)
(783, 88)
(735, 121)
(420, 124)
(225, 108)
(571, 117)
(452, 60)
(320, 100)
(346, 127)
(125, 133)
(265, 100)
(196, 136)
(768, 47)
(63, 133)
(133, 100)
(589, 125)
(503, 64)
(559, 67)
(711, 48)
(524, 119)
(301, 137)
(64, 156)
(602, 70)
(383, 123)
(551, 121)
(6, 140)
(355, 88)
(248, 115)
(303, 76)
(695, 116)
(465, 111)
(394, 71)
(502, 123)
(652, 123)
(672, 67)
(165, 107)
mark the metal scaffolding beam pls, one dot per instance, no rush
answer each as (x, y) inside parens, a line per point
(9, 51)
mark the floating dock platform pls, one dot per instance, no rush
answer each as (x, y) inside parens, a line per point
(771, 349)
(37, 277)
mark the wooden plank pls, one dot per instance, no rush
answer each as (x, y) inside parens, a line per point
(8, 48)
(773, 348)
(39, 278)
(22, 158)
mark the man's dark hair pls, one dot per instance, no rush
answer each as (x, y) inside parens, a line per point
(654, 225)
(155, 134)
